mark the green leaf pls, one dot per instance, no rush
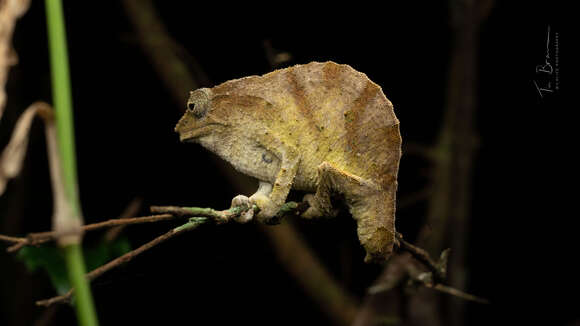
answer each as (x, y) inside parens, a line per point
(104, 252)
(50, 260)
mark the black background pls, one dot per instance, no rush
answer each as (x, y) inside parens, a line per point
(124, 117)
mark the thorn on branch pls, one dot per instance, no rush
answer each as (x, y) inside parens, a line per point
(438, 269)
(433, 279)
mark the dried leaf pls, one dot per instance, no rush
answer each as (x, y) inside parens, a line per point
(11, 160)
(13, 154)
(65, 219)
(10, 10)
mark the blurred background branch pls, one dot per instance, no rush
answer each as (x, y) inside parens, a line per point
(167, 57)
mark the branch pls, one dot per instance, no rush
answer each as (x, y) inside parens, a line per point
(130, 211)
(439, 269)
(457, 293)
(395, 274)
(163, 51)
(123, 260)
(203, 215)
(34, 239)
(236, 214)
(218, 216)
(433, 279)
(239, 214)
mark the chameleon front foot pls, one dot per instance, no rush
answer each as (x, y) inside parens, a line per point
(267, 208)
(245, 202)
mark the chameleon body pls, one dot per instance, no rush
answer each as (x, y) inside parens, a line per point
(323, 128)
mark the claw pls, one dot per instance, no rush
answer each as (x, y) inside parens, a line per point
(241, 200)
(246, 203)
(246, 216)
(267, 208)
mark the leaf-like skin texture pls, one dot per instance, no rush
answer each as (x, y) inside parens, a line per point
(323, 128)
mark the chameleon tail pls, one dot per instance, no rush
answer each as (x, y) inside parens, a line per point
(375, 223)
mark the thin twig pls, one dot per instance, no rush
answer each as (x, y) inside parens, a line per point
(234, 213)
(43, 237)
(224, 216)
(206, 214)
(432, 280)
(18, 245)
(423, 257)
(160, 48)
(457, 293)
(219, 216)
(170, 213)
(8, 238)
(123, 260)
(130, 211)
(418, 278)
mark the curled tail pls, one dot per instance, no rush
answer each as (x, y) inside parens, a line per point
(375, 217)
(371, 205)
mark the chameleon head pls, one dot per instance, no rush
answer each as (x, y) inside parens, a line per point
(198, 120)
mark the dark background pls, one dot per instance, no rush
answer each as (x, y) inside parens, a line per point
(124, 119)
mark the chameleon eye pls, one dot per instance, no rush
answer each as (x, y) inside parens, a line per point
(197, 103)
(198, 111)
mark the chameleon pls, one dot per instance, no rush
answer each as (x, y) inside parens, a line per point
(322, 128)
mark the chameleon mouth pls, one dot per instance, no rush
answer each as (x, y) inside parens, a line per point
(191, 135)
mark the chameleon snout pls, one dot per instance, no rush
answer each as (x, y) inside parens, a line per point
(180, 127)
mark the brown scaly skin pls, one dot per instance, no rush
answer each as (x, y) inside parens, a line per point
(321, 127)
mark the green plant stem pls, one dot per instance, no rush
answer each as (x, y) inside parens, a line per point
(62, 100)
(83, 298)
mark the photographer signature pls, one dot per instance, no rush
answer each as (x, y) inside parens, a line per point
(545, 69)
